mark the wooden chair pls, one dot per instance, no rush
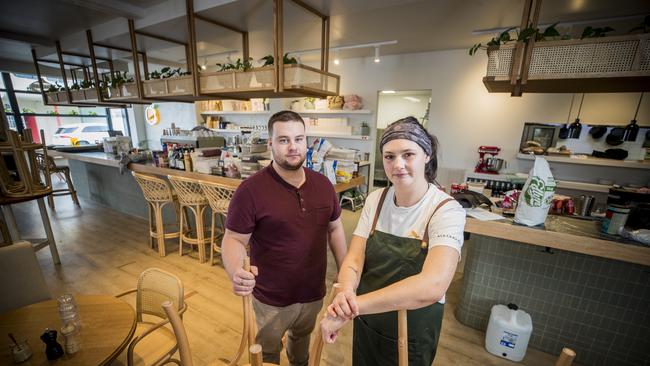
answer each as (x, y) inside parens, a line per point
(219, 196)
(158, 193)
(48, 167)
(23, 282)
(154, 343)
(190, 197)
(24, 184)
(181, 336)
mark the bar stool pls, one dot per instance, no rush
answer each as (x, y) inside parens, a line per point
(190, 197)
(54, 169)
(158, 193)
(219, 196)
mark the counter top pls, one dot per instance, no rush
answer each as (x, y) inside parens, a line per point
(108, 160)
(565, 233)
(95, 157)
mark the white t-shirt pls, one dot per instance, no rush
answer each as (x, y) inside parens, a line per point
(445, 228)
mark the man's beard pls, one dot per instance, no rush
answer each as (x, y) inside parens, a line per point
(286, 165)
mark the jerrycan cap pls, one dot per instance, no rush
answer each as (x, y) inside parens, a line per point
(512, 306)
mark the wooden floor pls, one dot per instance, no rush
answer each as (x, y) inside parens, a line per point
(103, 251)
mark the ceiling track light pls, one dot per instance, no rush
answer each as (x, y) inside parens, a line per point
(336, 57)
(377, 60)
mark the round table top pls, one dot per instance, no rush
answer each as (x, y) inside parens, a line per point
(107, 325)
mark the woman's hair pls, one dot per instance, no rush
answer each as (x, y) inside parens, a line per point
(410, 129)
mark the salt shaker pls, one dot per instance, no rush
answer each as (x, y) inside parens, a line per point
(71, 335)
(68, 310)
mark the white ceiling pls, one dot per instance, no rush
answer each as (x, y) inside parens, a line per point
(417, 25)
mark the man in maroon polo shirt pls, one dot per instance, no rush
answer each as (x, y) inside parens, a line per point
(288, 214)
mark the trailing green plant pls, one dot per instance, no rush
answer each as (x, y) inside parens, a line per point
(52, 113)
(644, 26)
(55, 87)
(269, 60)
(167, 72)
(75, 86)
(92, 113)
(239, 65)
(591, 32)
(73, 113)
(85, 84)
(27, 111)
(120, 79)
(550, 33)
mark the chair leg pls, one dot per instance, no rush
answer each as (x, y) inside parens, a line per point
(50, 201)
(182, 233)
(200, 233)
(212, 219)
(48, 231)
(73, 193)
(151, 223)
(160, 229)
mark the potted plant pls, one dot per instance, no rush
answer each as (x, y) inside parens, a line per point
(118, 85)
(266, 78)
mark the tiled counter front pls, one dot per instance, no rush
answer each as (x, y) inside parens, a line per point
(598, 307)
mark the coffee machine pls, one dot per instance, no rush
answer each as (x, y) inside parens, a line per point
(488, 164)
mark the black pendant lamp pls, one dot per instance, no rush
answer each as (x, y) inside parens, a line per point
(632, 129)
(576, 127)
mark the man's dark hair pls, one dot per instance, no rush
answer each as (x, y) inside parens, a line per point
(284, 116)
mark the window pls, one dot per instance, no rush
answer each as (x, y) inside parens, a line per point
(65, 130)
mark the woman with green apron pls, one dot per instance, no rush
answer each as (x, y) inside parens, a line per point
(403, 255)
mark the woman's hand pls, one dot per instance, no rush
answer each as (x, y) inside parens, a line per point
(344, 305)
(330, 327)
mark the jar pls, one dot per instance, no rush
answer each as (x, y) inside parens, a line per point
(615, 219)
(68, 312)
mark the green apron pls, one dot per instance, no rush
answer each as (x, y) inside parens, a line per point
(390, 259)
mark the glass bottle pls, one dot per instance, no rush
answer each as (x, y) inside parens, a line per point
(68, 312)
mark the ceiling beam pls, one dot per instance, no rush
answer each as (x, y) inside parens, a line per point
(111, 7)
(27, 38)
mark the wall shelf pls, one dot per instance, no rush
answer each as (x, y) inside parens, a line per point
(340, 112)
(339, 136)
(238, 130)
(243, 113)
(631, 164)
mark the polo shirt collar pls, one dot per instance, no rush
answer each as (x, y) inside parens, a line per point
(278, 178)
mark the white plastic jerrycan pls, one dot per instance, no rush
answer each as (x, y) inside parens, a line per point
(508, 332)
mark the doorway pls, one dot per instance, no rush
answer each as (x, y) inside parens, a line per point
(391, 106)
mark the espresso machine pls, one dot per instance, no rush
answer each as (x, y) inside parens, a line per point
(487, 161)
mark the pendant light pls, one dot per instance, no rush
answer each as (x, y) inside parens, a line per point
(576, 127)
(564, 131)
(377, 60)
(632, 129)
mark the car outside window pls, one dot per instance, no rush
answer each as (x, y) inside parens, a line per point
(65, 130)
(95, 129)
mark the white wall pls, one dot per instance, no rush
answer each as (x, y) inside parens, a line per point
(182, 114)
(392, 107)
(464, 115)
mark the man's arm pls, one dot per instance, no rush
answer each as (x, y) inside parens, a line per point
(336, 241)
(233, 252)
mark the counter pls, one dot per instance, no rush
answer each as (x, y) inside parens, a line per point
(95, 177)
(583, 289)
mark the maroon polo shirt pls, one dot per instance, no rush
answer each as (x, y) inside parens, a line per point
(289, 233)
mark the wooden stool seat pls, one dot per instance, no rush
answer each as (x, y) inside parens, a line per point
(191, 200)
(218, 196)
(158, 193)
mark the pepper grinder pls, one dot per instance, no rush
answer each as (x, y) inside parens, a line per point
(53, 349)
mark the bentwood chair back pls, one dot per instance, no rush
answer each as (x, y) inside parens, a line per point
(48, 167)
(158, 193)
(218, 196)
(22, 280)
(154, 343)
(181, 336)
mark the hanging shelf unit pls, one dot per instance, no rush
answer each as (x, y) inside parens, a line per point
(275, 81)
(593, 65)
(83, 97)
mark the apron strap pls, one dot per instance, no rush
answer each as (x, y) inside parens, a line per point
(425, 236)
(378, 210)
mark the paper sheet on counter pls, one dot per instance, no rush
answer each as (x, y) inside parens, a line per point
(482, 214)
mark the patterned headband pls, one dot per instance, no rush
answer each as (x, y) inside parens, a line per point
(407, 129)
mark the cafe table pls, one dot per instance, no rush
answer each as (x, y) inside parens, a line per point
(107, 326)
